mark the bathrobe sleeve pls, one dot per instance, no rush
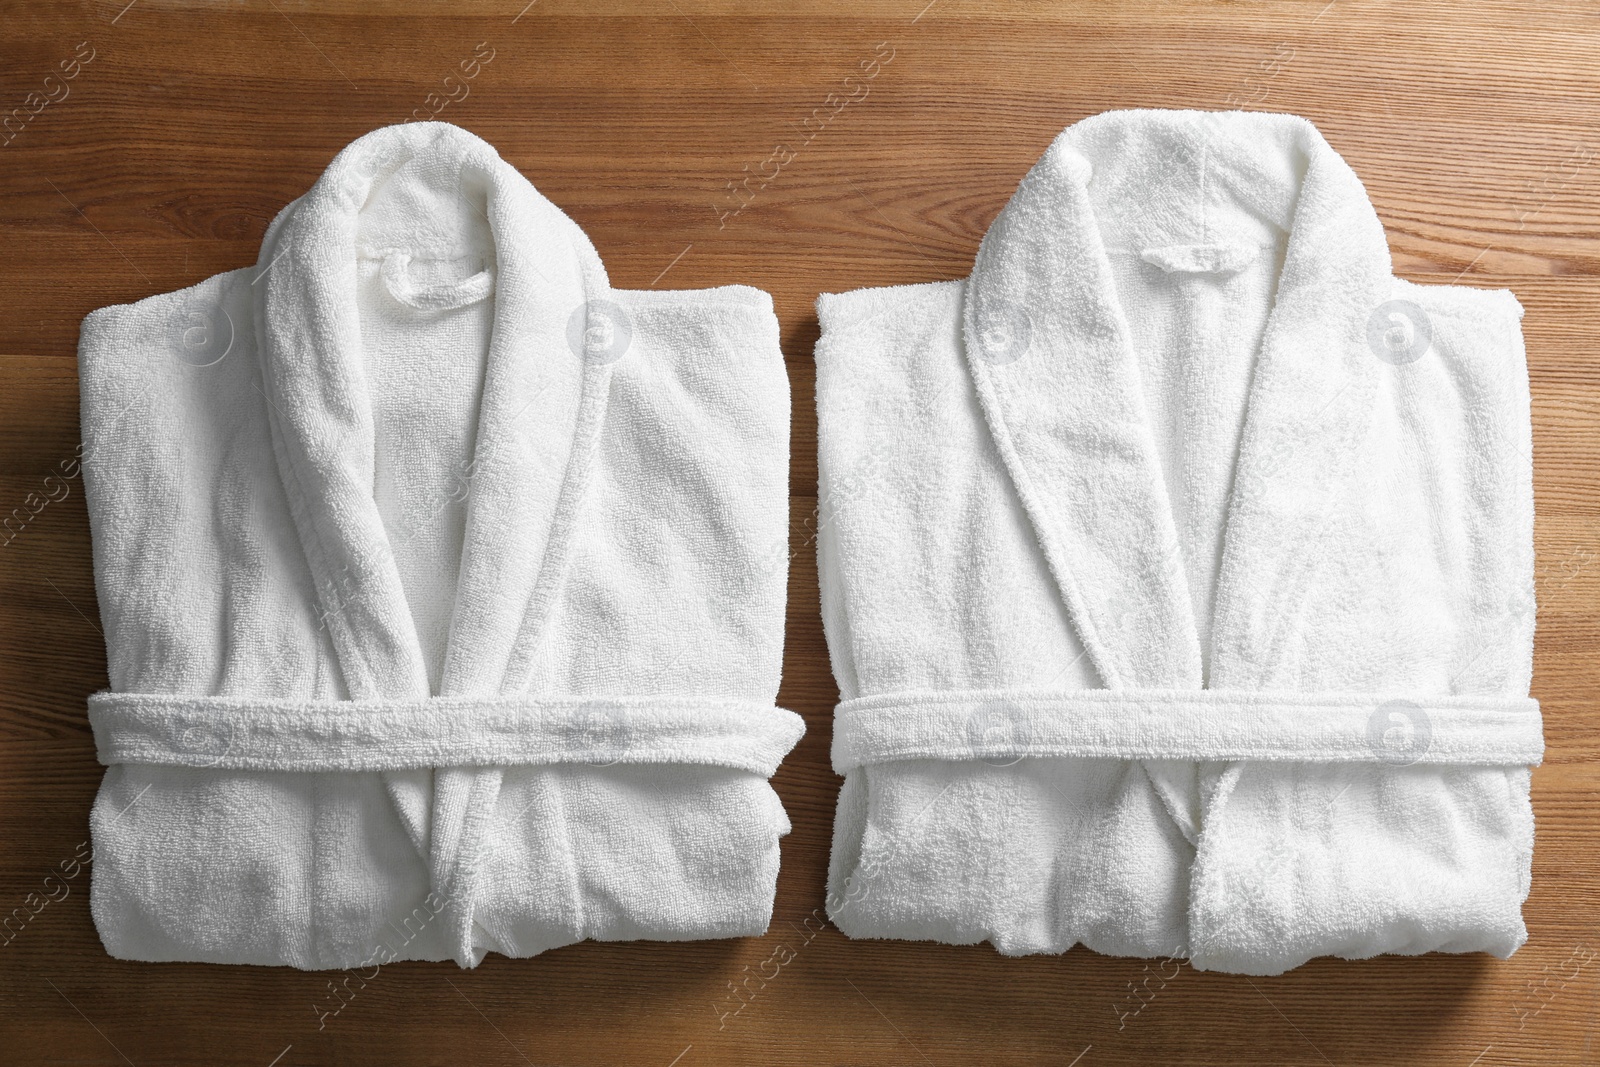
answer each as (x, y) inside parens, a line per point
(676, 588)
(679, 584)
(201, 583)
(932, 578)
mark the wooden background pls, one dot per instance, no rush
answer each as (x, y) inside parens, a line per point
(1474, 127)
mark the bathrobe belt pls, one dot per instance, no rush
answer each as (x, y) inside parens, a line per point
(1002, 726)
(266, 734)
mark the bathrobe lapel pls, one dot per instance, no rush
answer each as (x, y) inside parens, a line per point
(541, 412)
(539, 416)
(319, 408)
(1311, 404)
(1056, 378)
(1048, 346)
(1056, 375)
(1049, 351)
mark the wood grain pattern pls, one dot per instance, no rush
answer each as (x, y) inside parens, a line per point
(1475, 129)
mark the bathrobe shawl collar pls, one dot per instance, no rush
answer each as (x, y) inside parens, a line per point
(540, 413)
(534, 397)
(1048, 347)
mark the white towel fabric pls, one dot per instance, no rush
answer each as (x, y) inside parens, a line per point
(1177, 571)
(443, 586)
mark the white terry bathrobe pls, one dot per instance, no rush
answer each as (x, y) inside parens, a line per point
(443, 586)
(1177, 571)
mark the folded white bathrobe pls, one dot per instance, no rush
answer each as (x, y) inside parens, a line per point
(1177, 571)
(443, 586)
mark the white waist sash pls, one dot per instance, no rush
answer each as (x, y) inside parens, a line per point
(267, 734)
(1002, 726)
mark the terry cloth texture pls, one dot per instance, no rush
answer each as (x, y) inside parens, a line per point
(439, 579)
(1177, 571)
